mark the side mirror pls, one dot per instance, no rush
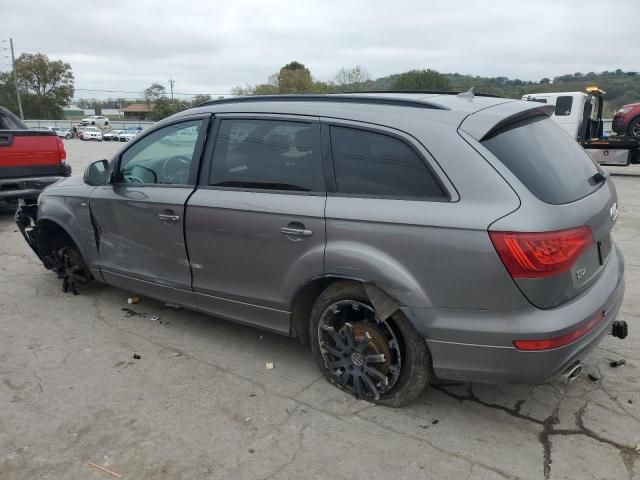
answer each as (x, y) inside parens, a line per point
(97, 173)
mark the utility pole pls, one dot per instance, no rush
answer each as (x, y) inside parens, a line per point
(172, 83)
(15, 78)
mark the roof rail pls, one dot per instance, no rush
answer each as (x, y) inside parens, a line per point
(429, 92)
(334, 98)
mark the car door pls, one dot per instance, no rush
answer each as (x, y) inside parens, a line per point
(140, 216)
(255, 225)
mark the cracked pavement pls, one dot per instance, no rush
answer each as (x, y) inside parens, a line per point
(201, 404)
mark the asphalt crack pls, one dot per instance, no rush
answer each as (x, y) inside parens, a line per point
(627, 454)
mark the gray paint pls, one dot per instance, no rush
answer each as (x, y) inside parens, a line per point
(227, 256)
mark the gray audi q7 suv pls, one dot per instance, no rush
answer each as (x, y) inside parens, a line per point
(405, 236)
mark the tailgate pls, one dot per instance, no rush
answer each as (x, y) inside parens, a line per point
(26, 153)
(558, 242)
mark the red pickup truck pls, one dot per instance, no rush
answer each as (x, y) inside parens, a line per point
(30, 160)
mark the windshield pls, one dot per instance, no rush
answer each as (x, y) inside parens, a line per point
(553, 166)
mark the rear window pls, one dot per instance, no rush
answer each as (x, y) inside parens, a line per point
(563, 106)
(552, 165)
(368, 163)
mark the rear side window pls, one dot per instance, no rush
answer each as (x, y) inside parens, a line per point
(10, 122)
(368, 163)
(268, 154)
(552, 165)
(563, 106)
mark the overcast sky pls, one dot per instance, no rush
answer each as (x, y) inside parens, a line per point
(211, 46)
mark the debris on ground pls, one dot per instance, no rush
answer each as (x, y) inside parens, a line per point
(618, 363)
(137, 356)
(106, 470)
(269, 365)
(261, 337)
(435, 421)
(251, 450)
(593, 378)
(132, 300)
(131, 313)
(247, 420)
(638, 448)
(155, 318)
(630, 401)
(177, 354)
(253, 395)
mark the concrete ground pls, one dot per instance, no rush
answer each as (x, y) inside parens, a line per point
(200, 403)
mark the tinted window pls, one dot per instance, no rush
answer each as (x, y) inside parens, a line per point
(8, 121)
(164, 156)
(547, 161)
(267, 154)
(375, 164)
(563, 106)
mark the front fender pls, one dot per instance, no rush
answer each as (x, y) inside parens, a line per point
(73, 216)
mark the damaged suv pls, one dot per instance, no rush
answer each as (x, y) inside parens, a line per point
(405, 236)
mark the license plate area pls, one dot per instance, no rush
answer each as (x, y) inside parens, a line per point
(604, 248)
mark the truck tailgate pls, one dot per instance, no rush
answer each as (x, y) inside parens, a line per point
(25, 153)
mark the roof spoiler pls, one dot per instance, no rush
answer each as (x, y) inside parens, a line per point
(508, 122)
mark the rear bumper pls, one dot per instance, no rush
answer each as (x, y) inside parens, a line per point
(28, 187)
(477, 346)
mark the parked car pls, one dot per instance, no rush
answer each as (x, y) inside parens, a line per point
(95, 120)
(129, 134)
(112, 135)
(405, 237)
(30, 160)
(91, 133)
(626, 120)
(60, 132)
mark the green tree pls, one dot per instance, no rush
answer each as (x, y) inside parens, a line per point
(198, 99)
(165, 107)
(352, 78)
(294, 78)
(545, 81)
(421, 80)
(154, 92)
(46, 85)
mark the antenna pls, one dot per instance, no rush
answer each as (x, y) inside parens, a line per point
(468, 94)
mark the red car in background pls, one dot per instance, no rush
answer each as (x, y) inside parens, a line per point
(626, 121)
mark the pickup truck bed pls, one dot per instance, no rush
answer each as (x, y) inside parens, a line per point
(30, 160)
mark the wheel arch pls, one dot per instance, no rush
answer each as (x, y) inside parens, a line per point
(305, 297)
(48, 227)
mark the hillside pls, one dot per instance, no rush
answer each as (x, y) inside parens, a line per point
(621, 87)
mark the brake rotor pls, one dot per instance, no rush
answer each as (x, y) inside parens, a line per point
(377, 345)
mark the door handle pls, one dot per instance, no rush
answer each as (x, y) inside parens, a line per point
(296, 232)
(168, 218)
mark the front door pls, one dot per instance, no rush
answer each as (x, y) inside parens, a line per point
(255, 225)
(140, 216)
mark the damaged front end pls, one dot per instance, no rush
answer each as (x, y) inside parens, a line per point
(55, 249)
(26, 218)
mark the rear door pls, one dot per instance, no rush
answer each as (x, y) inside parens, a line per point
(255, 225)
(140, 216)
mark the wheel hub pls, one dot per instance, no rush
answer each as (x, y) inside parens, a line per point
(357, 359)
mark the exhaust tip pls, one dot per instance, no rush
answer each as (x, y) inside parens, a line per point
(572, 373)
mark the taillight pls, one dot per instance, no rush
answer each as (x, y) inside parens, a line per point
(61, 151)
(536, 255)
(562, 340)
